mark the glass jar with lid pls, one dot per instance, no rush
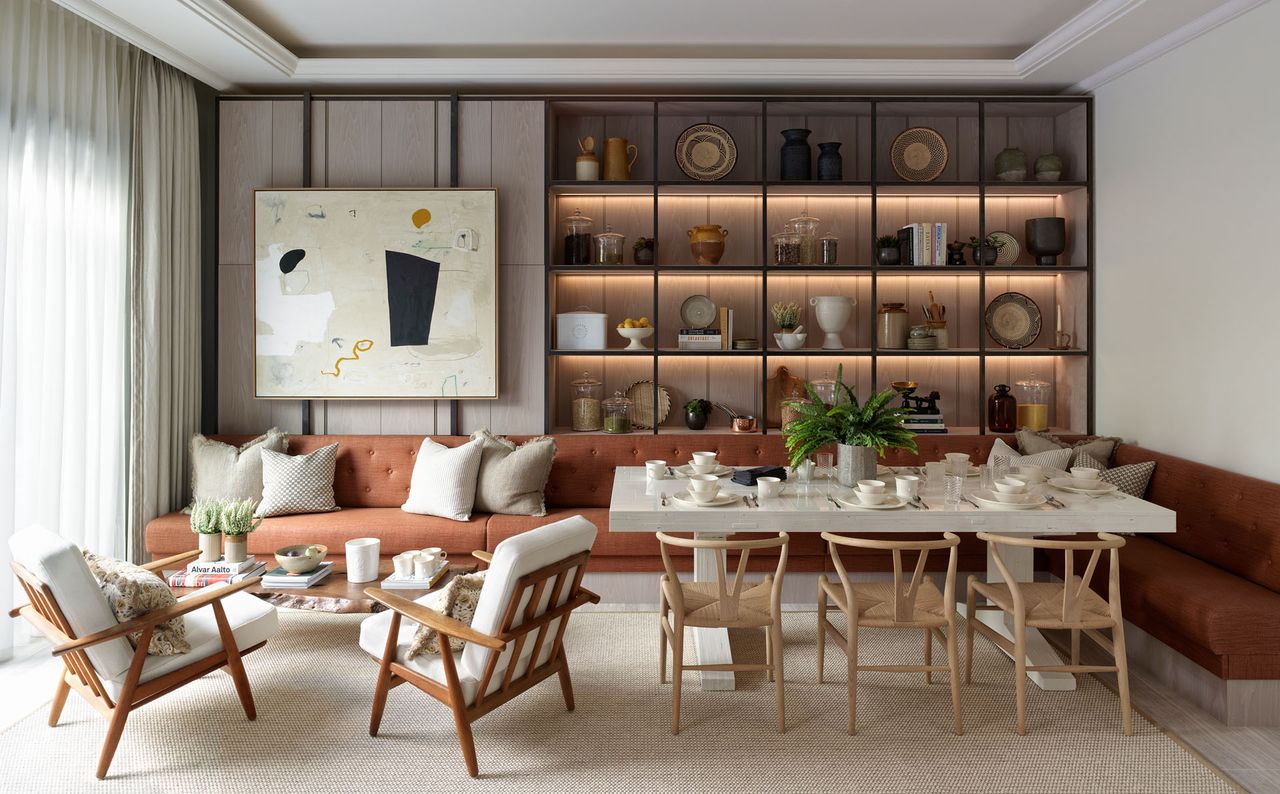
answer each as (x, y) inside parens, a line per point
(826, 388)
(577, 238)
(1033, 394)
(807, 227)
(588, 394)
(786, 247)
(617, 414)
(609, 247)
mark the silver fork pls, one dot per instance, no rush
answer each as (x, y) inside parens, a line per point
(1053, 501)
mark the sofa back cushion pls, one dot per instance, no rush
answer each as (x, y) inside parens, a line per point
(1226, 519)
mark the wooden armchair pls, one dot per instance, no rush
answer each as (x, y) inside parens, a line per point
(515, 640)
(67, 606)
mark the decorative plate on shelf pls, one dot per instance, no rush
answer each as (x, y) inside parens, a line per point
(706, 152)
(698, 311)
(1008, 253)
(919, 154)
(643, 415)
(1013, 320)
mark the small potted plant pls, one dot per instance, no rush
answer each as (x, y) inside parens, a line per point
(985, 252)
(696, 413)
(237, 523)
(642, 251)
(887, 253)
(787, 317)
(206, 522)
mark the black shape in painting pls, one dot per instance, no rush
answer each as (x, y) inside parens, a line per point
(411, 297)
(291, 259)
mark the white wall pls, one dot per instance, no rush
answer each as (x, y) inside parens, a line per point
(1188, 249)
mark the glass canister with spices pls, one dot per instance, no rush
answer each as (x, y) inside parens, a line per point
(588, 411)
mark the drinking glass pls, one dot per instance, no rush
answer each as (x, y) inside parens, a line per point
(953, 489)
(934, 471)
(826, 467)
(1000, 467)
(986, 479)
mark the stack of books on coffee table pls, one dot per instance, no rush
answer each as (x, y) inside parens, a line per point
(203, 574)
(279, 577)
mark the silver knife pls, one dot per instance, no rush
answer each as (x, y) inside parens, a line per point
(970, 501)
(923, 503)
(834, 502)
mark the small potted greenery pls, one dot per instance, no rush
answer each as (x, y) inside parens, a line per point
(786, 315)
(206, 522)
(237, 523)
(859, 432)
(642, 251)
(696, 413)
(887, 253)
(985, 252)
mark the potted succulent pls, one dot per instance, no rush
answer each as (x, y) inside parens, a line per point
(642, 251)
(696, 413)
(887, 253)
(859, 432)
(206, 522)
(985, 252)
(786, 315)
(237, 522)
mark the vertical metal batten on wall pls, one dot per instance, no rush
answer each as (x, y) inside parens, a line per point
(453, 182)
(306, 182)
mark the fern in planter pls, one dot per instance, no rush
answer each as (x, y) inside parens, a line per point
(875, 424)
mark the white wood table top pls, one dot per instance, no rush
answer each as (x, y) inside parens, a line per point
(636, 506)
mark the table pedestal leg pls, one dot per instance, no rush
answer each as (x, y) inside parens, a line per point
(711, 645)
(1021, 563)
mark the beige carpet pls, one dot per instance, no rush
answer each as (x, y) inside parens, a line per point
(313, 687)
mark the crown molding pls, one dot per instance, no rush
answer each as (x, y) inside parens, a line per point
(1166, 43)
(1073, 32)
(236, 26)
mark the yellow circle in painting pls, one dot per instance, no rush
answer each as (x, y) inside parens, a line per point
(421, 217)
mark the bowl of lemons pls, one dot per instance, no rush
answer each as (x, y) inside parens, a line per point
(636, 331)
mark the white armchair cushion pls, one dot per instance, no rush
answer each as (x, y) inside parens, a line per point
(373, 641)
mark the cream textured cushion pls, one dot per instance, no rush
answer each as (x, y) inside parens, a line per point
(132, 592)
(512, 478)
(458, 600)
(444, 480)
(1057, 459)
(221, 471)
(294, 484)
(1031, 442)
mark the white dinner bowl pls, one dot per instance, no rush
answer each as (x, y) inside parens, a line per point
(870, 486)
(1010, 485)
(702, 468)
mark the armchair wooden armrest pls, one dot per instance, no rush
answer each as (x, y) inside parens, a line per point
(175, 560)
(482, 556)
(202, 599)
(436, 620)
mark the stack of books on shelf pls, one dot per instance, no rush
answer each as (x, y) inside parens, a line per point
(203, 574)
(718, 338)
(279, 577)
(923, 244)
(925, 423)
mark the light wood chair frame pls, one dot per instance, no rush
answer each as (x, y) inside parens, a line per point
(905, 593)
(391, 673)
(1072, 603)
(671, 605)
(78, 672)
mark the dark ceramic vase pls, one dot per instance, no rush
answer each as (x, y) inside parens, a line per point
(643, 256)
(1046, 238)
(695, 420)
(797, 160)
(830, 163)
(888, 257)
(985, 256)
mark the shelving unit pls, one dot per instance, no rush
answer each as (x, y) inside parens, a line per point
(660, 202)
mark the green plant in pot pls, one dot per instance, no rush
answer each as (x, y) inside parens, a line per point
(206, 522)
(642, 251)
(985, 252)
(859, 432)
(237, 523)
(887, 252)
(696, 413)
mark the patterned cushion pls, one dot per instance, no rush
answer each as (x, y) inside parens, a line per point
(444, 480)
(221, 471)
(133, 592)
(1088, 461)
(297, 483)
(1051, 459)
(512, 478)
(458, 600)
(1131, 479)
(1031, 442)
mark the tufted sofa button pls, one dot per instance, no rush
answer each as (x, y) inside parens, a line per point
(367, 489)
(390, 471)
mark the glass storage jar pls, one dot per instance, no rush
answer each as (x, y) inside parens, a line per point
(786, 247)
(577, 238)
(588, 394)
(617, 414)
(1033, 402)
(828, 249)
(807, 227)
(826, 388)
(609, 247)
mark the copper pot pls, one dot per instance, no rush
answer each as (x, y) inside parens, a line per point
(744, 424)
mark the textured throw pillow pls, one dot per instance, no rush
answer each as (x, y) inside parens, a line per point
(512, 478)
(1058, 459)
(458, 600)
(221, 471)
(1088, 461)
(132, 592)
(444, 480)
(1132, 479)
(1031, 442)
(297, 483)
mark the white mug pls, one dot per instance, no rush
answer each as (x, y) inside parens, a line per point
(908, 486)
(423, 567)
(656, 469)
(433, 555)
(704, 458)
(362, 559)
(769, 487)
(404, 563)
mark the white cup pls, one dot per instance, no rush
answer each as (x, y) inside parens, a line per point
(704, 458)
(871, 486)
(433, 555)
(868, 498)
(404, 563)
(1084, 476)
(422, 567)
(704, 483)
(702, 468)
(957, 463)
(908, 486)
(769, 487)
(656, 469)
(1010, 485)
(362, 559)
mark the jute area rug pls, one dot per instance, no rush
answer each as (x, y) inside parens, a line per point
(313, 687)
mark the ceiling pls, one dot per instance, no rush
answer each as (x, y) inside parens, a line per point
(1043, 46)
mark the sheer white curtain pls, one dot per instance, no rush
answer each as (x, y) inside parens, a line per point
(66, 97)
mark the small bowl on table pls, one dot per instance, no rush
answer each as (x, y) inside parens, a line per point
(302, 558)
(1010, 485)
(1010, 498)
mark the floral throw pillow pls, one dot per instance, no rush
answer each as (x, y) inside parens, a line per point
(458, 600)
(132, 592)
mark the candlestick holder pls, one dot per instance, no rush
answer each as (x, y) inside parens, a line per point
(1062, 341)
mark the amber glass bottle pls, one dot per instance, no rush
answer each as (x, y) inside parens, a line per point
(1002, 411)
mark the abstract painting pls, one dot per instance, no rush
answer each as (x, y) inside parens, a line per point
(379, 294)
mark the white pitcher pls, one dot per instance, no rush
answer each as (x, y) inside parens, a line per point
(832, 313)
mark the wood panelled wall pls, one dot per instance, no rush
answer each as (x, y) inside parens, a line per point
(369, 143)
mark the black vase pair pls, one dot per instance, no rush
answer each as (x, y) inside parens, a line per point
(797, 159)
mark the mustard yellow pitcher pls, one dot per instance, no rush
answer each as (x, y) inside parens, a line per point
(616, 165)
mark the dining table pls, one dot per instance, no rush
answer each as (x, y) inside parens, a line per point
(641, 503)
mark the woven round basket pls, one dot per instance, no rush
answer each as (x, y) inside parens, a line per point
(643, 415)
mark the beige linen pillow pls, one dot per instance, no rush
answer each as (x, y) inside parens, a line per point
(444, 480)
(221, 471)
(512, 478)
(458, 600)
(132, 592)
(1031, 442)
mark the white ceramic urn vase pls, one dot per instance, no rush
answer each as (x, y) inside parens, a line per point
(832, 313)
